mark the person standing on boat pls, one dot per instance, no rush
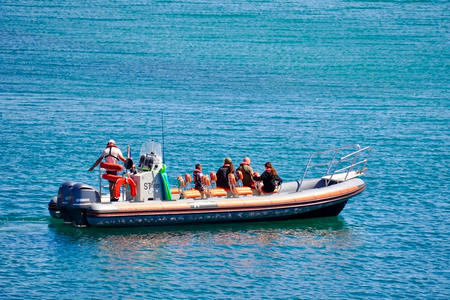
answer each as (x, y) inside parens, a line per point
(223, 174)
(111, 154)
(198, 175)
(247, 172)
(269, 178)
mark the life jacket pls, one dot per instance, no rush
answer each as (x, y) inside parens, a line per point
(247, 174)
(222, 176)
(242, 168)
(109, 157)
(197, 177)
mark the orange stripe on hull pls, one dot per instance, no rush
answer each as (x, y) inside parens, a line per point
(220, 210)
(226, 205)
(153, 206)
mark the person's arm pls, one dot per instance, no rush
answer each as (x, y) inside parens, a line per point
(265, 175)
(250, 171)
(278, 180)
(122, 158)
(96, 163)
(255, 177)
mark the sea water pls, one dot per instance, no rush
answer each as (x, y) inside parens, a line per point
(273, 80)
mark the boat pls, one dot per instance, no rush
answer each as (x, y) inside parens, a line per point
(145, 197)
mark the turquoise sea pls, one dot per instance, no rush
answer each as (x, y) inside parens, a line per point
(274, 80)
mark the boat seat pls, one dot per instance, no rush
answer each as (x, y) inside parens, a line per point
(111, 177)
(218, 192)
(175, 191)
(189, 194)
(244, 190)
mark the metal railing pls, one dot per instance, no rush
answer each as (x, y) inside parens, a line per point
(352, 162)
(100, 181)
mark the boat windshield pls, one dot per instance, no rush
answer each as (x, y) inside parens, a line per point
(150, 147)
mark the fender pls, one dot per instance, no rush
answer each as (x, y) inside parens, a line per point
(188, 178)
(181, 183)
(231, 179)
(213, 176)
(206, 181)
(122, 181)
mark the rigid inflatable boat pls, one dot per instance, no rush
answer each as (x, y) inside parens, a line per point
(146, 199)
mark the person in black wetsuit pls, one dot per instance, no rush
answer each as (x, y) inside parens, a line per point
(222, 173)
(269, 178)
(198, 184)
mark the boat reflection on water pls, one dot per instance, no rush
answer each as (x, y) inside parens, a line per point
(309, 233)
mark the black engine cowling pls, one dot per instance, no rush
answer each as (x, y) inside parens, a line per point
(73, 200)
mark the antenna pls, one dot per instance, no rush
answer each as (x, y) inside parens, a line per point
(162, 134)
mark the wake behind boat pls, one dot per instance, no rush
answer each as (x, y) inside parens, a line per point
(146, 199)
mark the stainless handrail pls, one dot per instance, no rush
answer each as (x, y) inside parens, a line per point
(353, 157)
(356, 152)
(100, 181)
(352, 165)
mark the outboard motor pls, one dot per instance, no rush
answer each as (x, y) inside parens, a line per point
(81, 197)
(58, 206)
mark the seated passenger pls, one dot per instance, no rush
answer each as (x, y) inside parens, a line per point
(269, 178)
(247, 171)
(222, 174)
(198, 185)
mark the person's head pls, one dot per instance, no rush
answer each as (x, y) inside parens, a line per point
(198, 167)
(111, 142)
(246, 160)
(270, 168)
(227, 161)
